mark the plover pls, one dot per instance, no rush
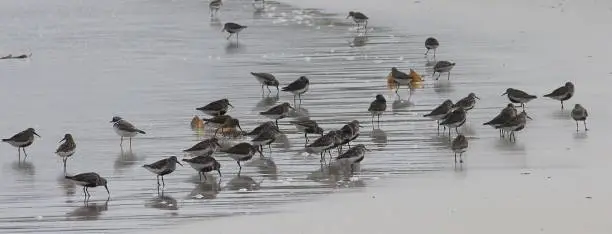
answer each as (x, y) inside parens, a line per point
(266, 79)
(401, 78)
(22, 140)
(378, 107)
(233, 28)
(205, 147)
(467, 103)
(443, 66)
(507, 114)
(515, 125)
(359, 18)
(277, 112)
(204, 164)
(124, 128)
(89, 180)
(214, 7)
(259, 4)
(323, 143)
(579, 113)
(459, 146)
(440, 112)
(455, 120)
(307, 126)
(163, 167)
(431, 44)
(66, 149)
(352, 156)
(563, 93)
(261, 128)
(518, 96)
(216, 108)
(298, 87)
(243, 152)
(266, 138)
(230, 123)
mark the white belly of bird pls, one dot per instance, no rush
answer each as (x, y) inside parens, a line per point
(124, 133)
(461, 150)
(457, 124)
(444, 69)
(155, 170)
(376, 112)
(65, 154)
(21, 143)
(198, 166)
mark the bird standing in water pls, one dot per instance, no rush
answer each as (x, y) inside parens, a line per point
(66, 149)
(22, 140)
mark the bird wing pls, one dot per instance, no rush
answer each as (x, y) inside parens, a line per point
(126, 126)
(441, 109)
(274, 110)
(377, 106)
(558, 92)
(242, 148)
(89, 177)
(295, 85)
(20, 137)
(159, 164)
(266, 76)
(216, 105)
(65, 147)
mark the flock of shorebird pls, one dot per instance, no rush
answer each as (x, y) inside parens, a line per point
(448, 114)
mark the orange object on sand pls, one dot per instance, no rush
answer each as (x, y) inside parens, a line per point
(196, 122)
(417, 80)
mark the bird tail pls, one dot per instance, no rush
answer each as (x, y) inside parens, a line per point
(453, 64)
(285, 89)
(548, 95)
(68, 177)
(5, 140)
(141, 131)
(427, 115)
(487, 123)
(533, 96)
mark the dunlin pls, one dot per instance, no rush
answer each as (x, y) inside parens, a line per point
(323, 143)
(243, 152)
(266, 79)
(262, 128)
(378, 107)
(459, 146)
(514, 125)
(22, 140)
(216, 108)
(203, 164)
(507, 114)
(298, 87)
(563, 93)
(579, 113)
(66, 149)
(233, 28)
(89, 180)
(353, 128)
(308, 126)
(455, 120)
(214, 7)
(205, 147)
(443, 66)
(352, 156)
(441, 111)
(359, 18)
(124, 128)
(467, 103)
(277, 112)
(266, 138)
(400, 78)
(431, 44)
(229, 123)
(518, 96)
(163, 167)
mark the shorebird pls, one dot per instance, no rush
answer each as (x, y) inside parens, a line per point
(214, 7)
(22, 140)
(352, 156)
(196, 122)
(455, 119)
(352, 128)
(507, 114)
(262, 128)
(579, 113)
(203, 164)
(66, 149)
(518, 96)
(124, 128)
(233, 28)
(441, 111)
(266, 138)
(266, 79)
(230, 123)
(89, 180)
(217, 121)
(339, 138)
(163, 167)
(563, 93)
(515, 125)
(323, 143)
(359, 18)
(431, 44)
(459, 146)
(298, 87)
(278, 112)
(308, 126)
(205, 147)
(401, 78)
(259, 4)
(216, 108)
(443, 66)
(467, 103)
(378, 107)
(243, 152)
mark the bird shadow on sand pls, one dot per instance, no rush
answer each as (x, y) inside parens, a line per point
(243, 182)
(234, 47)
(379, 137)
(89, 211)
(581, 135)
(162, 202)
(266, 102)
(24, 167)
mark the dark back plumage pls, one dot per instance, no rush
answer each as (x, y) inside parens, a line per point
(23, 136)
(261, 128)
(298, 84)
(233, 27)
(68, 145)
(378, 105)
(266, 78)
(431, 43)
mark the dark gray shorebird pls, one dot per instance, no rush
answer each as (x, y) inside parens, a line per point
(514, 125)
(378, 107)
(563, 93)
(440, 112)
(66, 149)
(431, 44)
(455, 120)
(359, 18)
(467, 103)
(22, 140)
(262, 128)
(214, 7)
(89, 180)
(352, 156)
(579, 113)
(351, 129)
(216, 121)
(401, 78)
(277, 112)
(519, 96)
(216, 108)
(243, 152)
(124, 128)
(459, 146)
(205, 147)
(508, 113)
(163, 167)
(203, 164)
(443, 66)
(308, 127)
(323, 143)
(266, 137)
(298, 87)
(233, 28)
(266, 79)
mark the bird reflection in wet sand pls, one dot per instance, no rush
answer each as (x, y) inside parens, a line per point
(125, 159)
(207, 189)
(443, 86)
(89, 211)
(24, 167)
(335, 176)
(243, 182)
(359, 40)
(266, 102)
(234, 47)
(162, 202)
(215, 22)
(379, 137)
(401, 104)
(67, 185)
(266, 167)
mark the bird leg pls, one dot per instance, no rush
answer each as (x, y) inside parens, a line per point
(460, 157)
(561, 105)
(228, 37)
(24, 153)
(455, 158)
(427, 52)
(438, 77)
(121, 144)
(130, 142)
(576, 125)
(200, 176)
(163, 183)
(448, 75)
(438, 122)
(205, 178)
(585, 127)
(269, 91)
(457, 130)
(157, 181)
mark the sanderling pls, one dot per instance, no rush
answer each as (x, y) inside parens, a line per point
(277, 112)
(203, 164)
(308, 126)
(163, 167)
(66, 149)
(233, 28)
(89, 180)
(266, 79)
(514, 125)
(431, 44)
(359, 18)
(298, 87)
(216, 108)
(563, 93)
(352, 156)
(323, 143)
(259, 5)
(459, 146)
(518, 96)
(401, 78)
(230, 123)
(243, 152)
(214, 7)
(22, 140)
(261, 128)
(507, 114)
(443, 66)
(467, 103)
(266, 138)
(124, 128)
(579, 113)
(378, 107)
(454, 120)
(205, 147)
(441, 111)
